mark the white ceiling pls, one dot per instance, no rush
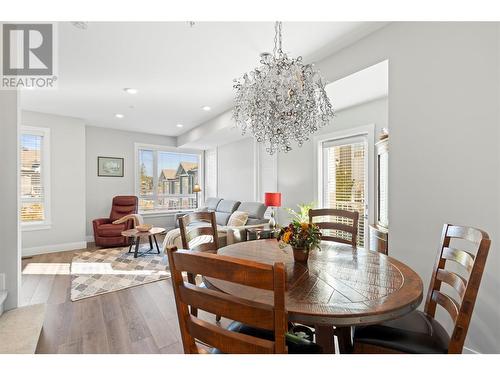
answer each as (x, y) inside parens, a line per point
(176, 68)
(360, 87)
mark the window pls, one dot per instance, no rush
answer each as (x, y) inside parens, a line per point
(34, 178)
(211, 173)
(344, 178)
(165, 179)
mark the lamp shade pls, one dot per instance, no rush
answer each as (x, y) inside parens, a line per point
(196, 188)
(272, 199)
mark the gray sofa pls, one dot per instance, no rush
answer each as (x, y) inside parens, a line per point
(223, 209)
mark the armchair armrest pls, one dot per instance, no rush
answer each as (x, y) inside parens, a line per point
(101, 221)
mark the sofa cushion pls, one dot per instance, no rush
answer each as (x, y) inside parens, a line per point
(111, 230)
(222, 217)
(237, 219)
(255, 210)
(211, 203)
(226, 205)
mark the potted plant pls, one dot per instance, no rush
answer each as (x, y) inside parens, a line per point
(301, 235)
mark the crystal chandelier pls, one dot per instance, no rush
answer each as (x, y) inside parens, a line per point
(282, 101)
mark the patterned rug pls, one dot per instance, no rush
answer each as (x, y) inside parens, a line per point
(109, 270)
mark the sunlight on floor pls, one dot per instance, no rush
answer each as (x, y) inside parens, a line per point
(47, 269)
(93, 268)
(83, 269)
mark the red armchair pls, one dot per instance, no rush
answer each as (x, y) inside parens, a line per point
(107, 234)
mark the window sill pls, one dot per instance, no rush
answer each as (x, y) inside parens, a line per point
(159, 213)
(35, 226)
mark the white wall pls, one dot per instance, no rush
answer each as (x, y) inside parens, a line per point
(236, 170)
(67, 185)
(10, 253)
(297, 169)
(444, 154)
(101, 190)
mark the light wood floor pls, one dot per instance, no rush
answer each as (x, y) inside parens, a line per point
(141, 319)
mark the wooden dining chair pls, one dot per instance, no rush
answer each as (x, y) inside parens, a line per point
(351, 228)
(195, 238)
(191, 233)
(263, 316)
(419, 332)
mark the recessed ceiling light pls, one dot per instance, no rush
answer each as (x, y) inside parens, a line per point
(206, 108)
(130, 90)
(119, 115)
(179, 125)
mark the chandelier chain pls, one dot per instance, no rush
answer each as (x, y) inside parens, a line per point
(277, 38)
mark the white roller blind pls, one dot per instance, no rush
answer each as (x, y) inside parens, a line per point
(33, 175)
(344, 179)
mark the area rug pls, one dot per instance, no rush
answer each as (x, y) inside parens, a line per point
(108, 270)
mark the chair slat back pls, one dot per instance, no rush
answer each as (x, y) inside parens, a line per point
(466, 287)
(259, 315)
(189, 234)
(351, 228)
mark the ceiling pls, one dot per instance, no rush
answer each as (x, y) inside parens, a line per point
(176, 68)
(360, 87)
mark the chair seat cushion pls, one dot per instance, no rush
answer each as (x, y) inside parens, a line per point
(111, 230)
(413, 333)
(295, 345)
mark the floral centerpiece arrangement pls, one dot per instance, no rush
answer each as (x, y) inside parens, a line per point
(301, 235)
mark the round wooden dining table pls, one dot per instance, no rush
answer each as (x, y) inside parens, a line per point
(339, 287)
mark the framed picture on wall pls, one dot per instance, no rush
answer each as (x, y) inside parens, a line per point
(109, 167)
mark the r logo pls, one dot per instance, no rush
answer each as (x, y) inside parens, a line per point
(27, 49)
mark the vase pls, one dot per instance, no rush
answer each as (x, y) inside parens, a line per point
(300, 254)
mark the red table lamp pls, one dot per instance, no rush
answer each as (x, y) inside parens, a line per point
(272, 200)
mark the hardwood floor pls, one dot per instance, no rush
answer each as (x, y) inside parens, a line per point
(141, 319)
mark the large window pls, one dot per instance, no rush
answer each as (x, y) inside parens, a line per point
(35, 177)
(165, 179)
(344, 178)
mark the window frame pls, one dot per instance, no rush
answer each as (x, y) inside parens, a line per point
(156, 149)
(45, 178)
(367, 131)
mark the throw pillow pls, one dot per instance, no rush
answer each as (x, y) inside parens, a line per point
(237, 219)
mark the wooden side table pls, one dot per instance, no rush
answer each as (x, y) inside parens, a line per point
(136, 236)
(259, 233)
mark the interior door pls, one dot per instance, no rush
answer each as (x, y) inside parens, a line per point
(345, 179)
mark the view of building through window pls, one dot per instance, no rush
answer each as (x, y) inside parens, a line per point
(32, 203)
(345, 181)
(167, 180)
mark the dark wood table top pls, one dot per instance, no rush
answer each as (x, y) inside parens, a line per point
(339, 286)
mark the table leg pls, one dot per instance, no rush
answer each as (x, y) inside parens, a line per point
(344, 336)
(150, 243)
(324, 338)
(130, 247)
(156, 242)
(137, 242)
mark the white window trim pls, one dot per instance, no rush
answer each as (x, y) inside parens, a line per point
(201, 174)
(367, 131)
(47, 223)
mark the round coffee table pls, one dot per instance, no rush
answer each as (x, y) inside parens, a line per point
(136, 236)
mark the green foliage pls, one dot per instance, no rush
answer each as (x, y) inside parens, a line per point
(303, 215)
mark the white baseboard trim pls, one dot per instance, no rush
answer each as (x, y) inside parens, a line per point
(469, 351)
(29, 251)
